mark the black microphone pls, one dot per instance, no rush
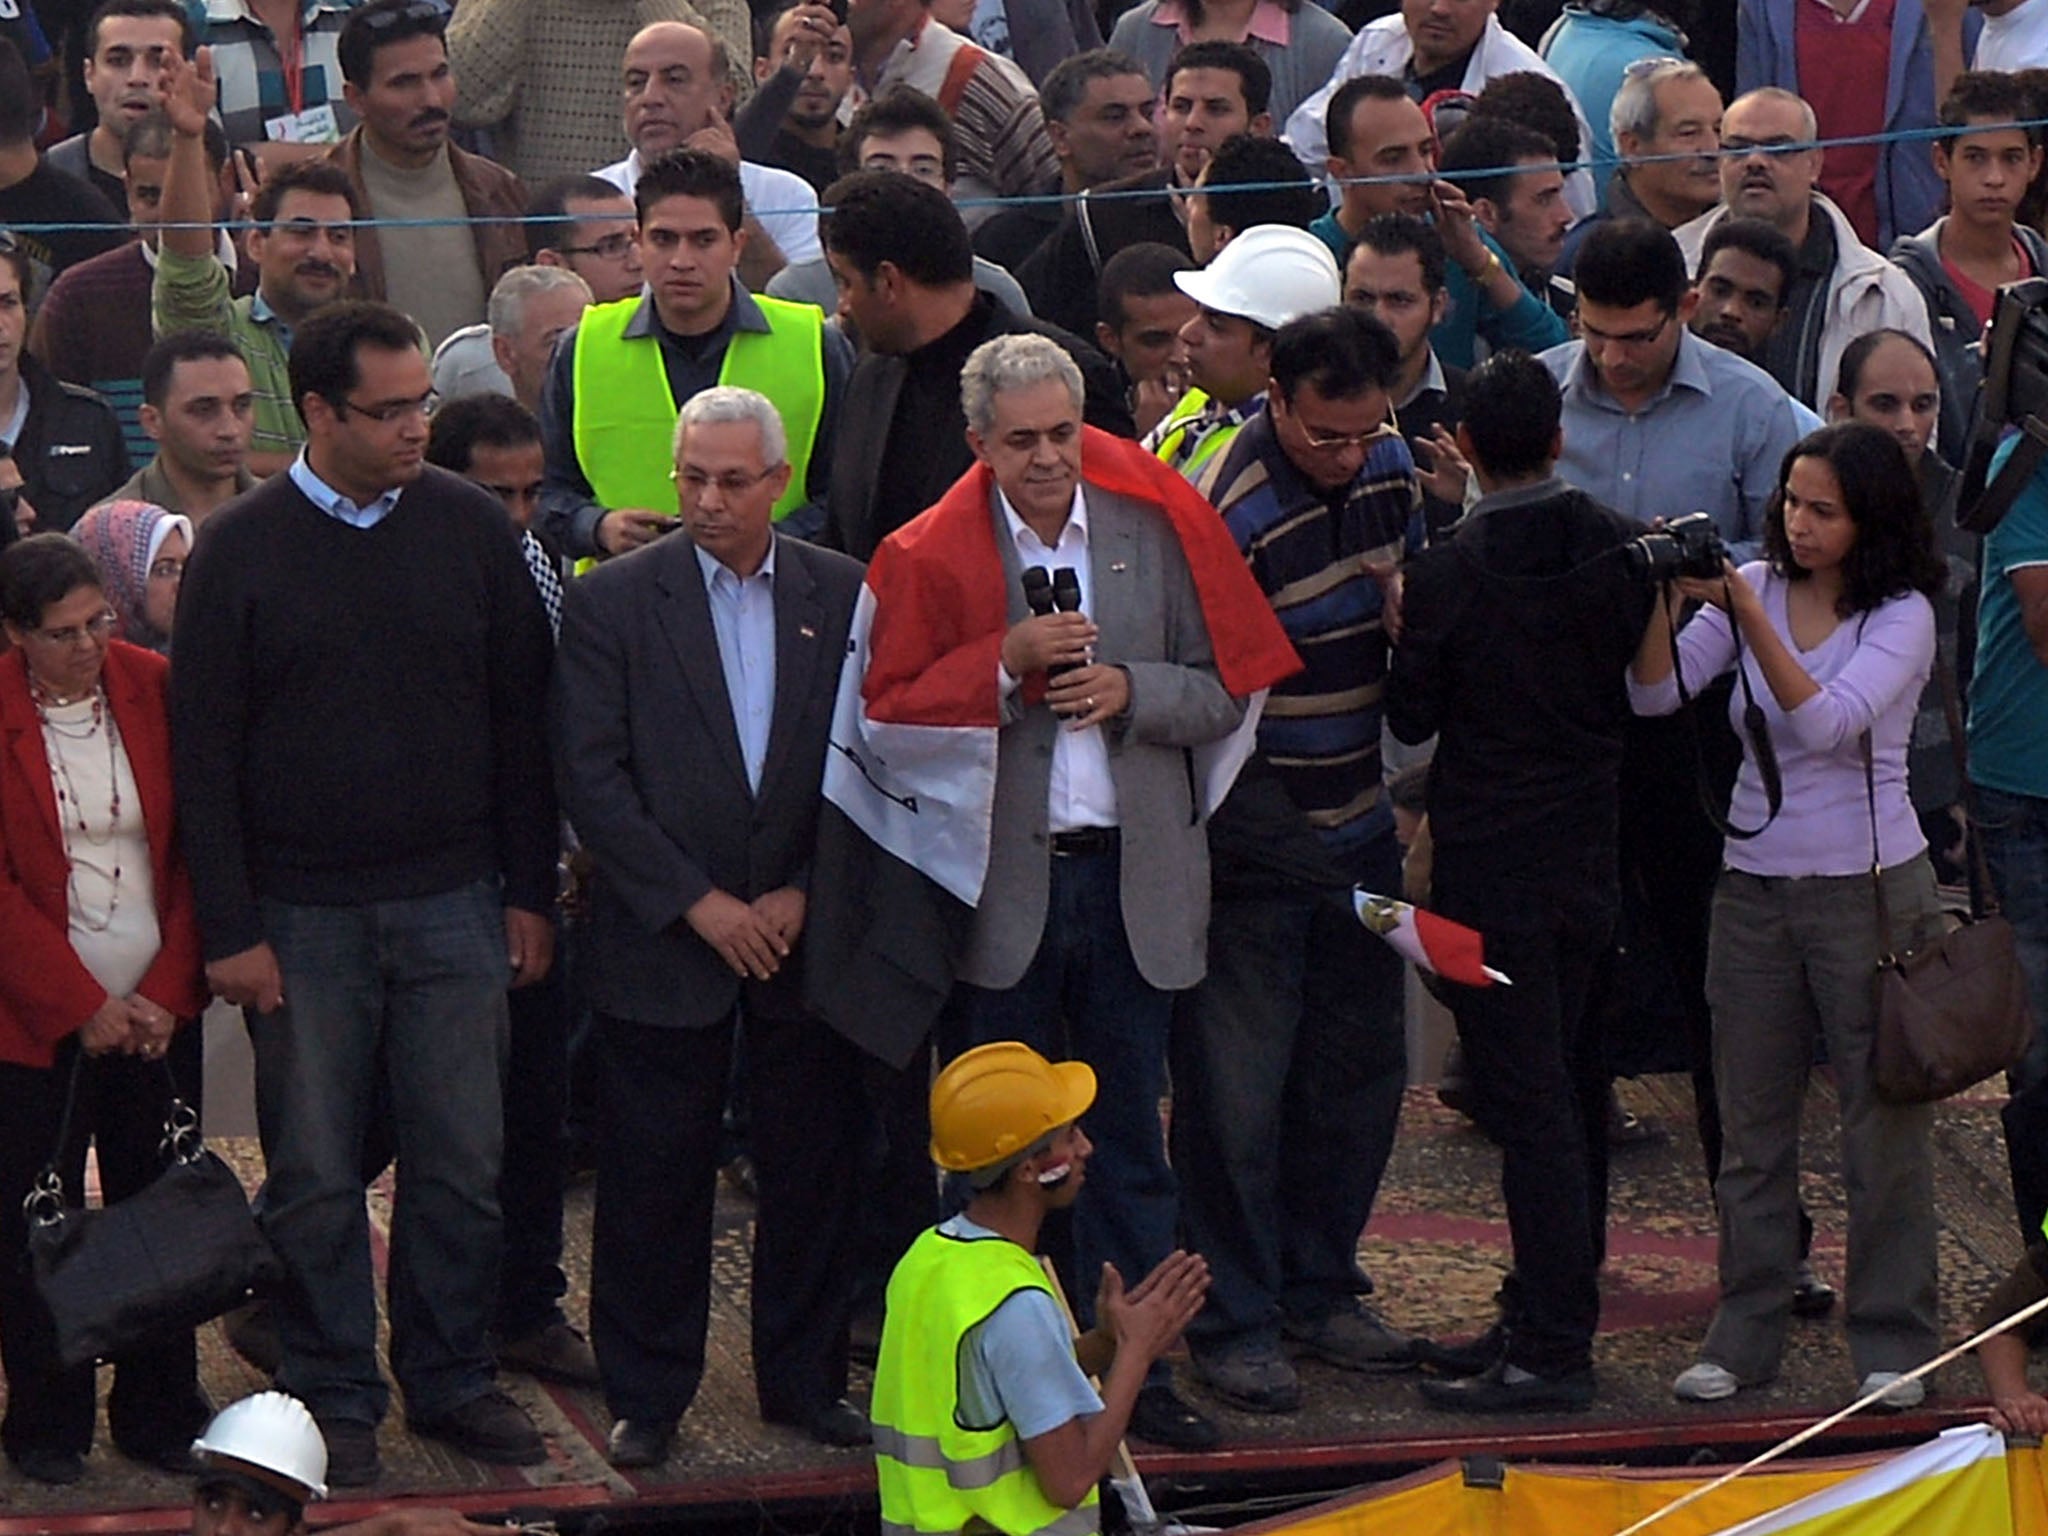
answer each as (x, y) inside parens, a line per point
(1066, 590)
(1044, 594)
(1038, 589)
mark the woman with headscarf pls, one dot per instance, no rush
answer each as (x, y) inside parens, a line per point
(140, 550)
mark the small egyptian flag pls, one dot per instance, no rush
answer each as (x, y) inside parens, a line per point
(1438, 945)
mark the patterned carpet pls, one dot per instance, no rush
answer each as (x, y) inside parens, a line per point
(1436, 1249)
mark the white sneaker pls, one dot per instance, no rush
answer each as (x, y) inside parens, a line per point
(1901, 1394)
(1705, 1382)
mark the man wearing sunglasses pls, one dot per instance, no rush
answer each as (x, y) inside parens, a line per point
(1842, 288)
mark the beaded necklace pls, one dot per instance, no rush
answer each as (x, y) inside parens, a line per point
(70, 808)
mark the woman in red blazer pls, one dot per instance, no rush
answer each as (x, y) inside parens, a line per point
(99, 966)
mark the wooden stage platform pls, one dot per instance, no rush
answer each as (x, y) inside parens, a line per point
(1436, 1249)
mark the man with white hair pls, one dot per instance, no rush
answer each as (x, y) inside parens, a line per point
(1843, 288)
(1432, 46)
(695, 689)
(1070, 807)
(1666, 126)
(530, 308)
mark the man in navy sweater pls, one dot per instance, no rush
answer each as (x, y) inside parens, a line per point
(362, 775)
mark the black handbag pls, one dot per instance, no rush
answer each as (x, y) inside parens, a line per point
(1952, 1011)
(168, 1258)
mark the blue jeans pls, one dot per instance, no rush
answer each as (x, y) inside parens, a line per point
(1288, 1066)
(417, 987)
(2015, 832)
(1117, 1022)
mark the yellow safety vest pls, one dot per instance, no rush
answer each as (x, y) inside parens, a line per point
(936, 1474)
(625, 415)
(1185, 442)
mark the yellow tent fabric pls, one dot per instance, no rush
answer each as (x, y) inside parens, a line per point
(1965, 1482)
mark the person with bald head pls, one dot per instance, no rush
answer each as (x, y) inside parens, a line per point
(1842, 288)
(674, 83)
(541, 74)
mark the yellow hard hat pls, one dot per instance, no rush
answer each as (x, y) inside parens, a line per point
(994, 1103)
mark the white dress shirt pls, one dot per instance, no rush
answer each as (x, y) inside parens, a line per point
(1081, 793)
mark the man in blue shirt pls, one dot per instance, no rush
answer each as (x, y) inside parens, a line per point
(1658, 423)
(1377, 131)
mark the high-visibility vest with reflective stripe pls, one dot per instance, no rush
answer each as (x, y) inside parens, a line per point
(1184, 445)
(624, 419)
(935, 1473)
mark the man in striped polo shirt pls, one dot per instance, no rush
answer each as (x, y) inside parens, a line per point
(1289, 1059)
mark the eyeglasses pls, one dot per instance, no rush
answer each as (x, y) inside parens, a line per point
(1624, 338)
(611, 247)
(91, 632)
(166, 570)
(1332, 442)
(1642, 67)
(395, 410)
(428, 11)
(730, 484)
(1738, 148)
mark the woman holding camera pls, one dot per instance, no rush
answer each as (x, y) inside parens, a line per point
(1834, 632)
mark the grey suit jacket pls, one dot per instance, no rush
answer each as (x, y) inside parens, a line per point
(652, 778)
(1151, 625)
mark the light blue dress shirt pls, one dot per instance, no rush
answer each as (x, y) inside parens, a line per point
(1711, 440)
(743, 615)
(336, 505)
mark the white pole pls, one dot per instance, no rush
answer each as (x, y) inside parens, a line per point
(1806, 1434)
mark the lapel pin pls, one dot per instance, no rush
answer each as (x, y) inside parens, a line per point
(807, 632)
(1116, 567)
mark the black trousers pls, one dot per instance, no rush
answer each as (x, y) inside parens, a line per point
(121, 1102)
(663, 1091)
(1539, 1081)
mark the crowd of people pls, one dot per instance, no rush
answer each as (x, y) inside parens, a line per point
(1106, 476)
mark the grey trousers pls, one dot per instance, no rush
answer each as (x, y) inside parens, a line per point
(1787, 957)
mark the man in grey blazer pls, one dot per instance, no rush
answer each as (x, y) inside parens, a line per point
(693, 693)
(1095, 905)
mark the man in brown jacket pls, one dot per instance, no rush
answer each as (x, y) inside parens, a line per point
(394, 62)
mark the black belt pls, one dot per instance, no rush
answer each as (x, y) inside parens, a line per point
(1084, 842)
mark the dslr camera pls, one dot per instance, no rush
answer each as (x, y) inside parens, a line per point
(1685, 546)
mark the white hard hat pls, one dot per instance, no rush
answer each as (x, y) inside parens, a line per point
(1270, 274)
(271, 1436)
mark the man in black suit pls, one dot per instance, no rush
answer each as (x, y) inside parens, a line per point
(905, 271)
(693, 697)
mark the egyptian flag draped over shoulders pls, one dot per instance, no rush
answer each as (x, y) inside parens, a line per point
(913, 754)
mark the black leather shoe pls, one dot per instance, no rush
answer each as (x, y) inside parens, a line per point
(42, 1464)
(840, 1424)
(1811, 1296)
(352, 1459)
(490, 1428)
(1475, 1358)
(1505, 1389)
(1163, 1416)
(640, 1442)
(172, 1456)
